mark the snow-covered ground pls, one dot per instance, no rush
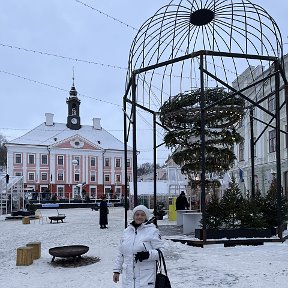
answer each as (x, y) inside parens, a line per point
(263, 266)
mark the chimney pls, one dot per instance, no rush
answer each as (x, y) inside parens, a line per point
(97, 124)
(49, 119)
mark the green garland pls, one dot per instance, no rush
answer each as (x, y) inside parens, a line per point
(181, 114)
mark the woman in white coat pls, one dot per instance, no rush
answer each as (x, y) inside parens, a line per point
(137, 255)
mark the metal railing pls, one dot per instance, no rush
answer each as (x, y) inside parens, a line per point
(10, 193)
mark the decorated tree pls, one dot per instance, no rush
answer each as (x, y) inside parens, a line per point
(181, 114)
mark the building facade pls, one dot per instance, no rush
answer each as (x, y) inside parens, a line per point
(264, 133)
(70, 160)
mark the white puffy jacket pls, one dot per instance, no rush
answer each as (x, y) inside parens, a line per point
(141, 274)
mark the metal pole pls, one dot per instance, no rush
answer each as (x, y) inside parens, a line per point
(125, 164)
(202, 137)
(252, 154)
(286, 106)
(278, 156)
(154, 161)
(134, 140)
(11, 204)
(103, 174)
(1, 205)
(22, 190)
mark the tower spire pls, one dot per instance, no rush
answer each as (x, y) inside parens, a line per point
(73, 92)
(73, 76)
(73, 102)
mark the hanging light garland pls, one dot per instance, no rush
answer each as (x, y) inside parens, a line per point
(181, 114)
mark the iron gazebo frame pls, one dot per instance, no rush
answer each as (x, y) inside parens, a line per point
(146, 59)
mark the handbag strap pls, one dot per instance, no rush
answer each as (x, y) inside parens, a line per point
(162, 261)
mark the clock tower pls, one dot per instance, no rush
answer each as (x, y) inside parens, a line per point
(73, 118)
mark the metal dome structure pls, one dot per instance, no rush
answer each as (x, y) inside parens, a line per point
(201, 44)
(185, 27)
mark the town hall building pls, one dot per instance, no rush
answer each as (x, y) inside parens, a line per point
(70, 160)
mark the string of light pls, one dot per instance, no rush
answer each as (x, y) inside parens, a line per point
(55, 87)
(108, 16)
(61, 56)
(43, 53)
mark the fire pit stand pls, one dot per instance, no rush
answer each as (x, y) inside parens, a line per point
(68, 251)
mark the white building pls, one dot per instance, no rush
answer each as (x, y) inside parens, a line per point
(265, 147)
(63, 158)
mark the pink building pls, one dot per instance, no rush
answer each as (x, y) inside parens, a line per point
(67, 159)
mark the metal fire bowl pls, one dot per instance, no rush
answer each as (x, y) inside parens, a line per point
(68, 251)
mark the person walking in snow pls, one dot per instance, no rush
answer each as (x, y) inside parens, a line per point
(103, 213)
(137, 254)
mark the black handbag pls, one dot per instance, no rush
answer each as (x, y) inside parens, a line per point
(162, 280)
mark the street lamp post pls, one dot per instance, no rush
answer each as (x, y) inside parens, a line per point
(75, 164)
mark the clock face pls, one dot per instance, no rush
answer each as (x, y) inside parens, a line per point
(74, 121)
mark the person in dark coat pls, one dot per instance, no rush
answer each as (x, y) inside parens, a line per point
(182, 202)
(103, 213)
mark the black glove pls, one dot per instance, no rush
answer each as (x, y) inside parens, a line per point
(141, 256)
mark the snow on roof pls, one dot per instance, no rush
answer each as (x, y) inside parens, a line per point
(49, 135)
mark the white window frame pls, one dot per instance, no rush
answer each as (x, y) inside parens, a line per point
(118, 162)
(17, 157)
(31, 174)
(42, 174)
(44, 156)
(60, 172)
(92, 173)
(75, 174)
(107, 162)
(118, 178)
(58, 160)
(60, 194)
(272, 141)
(91, 188)
(31, 157)
(93, 159)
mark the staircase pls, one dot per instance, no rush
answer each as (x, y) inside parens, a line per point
(15, 189)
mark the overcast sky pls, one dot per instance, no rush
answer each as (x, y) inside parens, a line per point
(100, 33)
